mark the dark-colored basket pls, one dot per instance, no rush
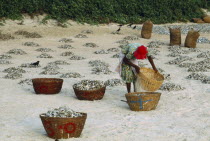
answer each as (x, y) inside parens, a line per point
(143, 101)
(63, 128)
(96, 94)
(47, 85)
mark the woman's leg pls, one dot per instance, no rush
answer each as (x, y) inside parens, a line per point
(128, 85)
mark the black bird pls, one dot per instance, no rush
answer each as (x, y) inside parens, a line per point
(134, 27)
(130, 25)
(120, 25)
(118, 30)
(35, 63)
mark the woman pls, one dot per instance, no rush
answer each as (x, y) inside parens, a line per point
(128, 63)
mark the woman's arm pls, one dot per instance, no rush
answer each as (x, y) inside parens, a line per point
(126, 61)
(152, 63)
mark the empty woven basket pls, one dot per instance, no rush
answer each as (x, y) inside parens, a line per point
(149, 79)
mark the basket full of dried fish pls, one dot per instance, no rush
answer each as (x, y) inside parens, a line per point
(63, 123)
(89, 90)
(143, 101)
(47, 85)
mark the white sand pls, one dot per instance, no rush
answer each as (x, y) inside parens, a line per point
(180, 115)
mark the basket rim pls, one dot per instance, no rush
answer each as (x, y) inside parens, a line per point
(47, 79)
(151, 70)
(83, 115)
(141, 93)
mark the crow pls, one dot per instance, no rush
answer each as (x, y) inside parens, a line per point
(118, 30)
(134, 27)
(120, 25)
(35, 63)
(130, 24)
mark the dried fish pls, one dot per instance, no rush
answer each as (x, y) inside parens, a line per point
(71, 75)
(16, 52)
(101, 52)
(171, 87)
(75, 57)
(44, 55)
(5, 62)
(5, 56)
(93, 45)
(113, 50)
(65, 40)
(63, 112)
(31, 44)
(44, 50)
(81, 36)
(87, 31)
(69, 53)
(131, 38)
(89, 85)
(26, 81)
(59, 62)
(14, 75)
(114, 82)
(66, 47)
(14, 70)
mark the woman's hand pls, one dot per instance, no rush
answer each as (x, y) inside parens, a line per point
(137, 69)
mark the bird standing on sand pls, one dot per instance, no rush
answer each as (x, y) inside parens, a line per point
(118, 30)
(134, 27)
(120, 25)
(35, 64)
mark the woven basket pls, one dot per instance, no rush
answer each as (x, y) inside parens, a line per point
(143, 101)
(96, 94)
(149, 79)
(47, 85)
(63, 128)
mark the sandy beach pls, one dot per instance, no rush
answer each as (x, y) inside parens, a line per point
(181, 115)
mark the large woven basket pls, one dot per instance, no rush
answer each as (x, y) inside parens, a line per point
(47, 85)
(143, 101)
(91, 95)
(63, 128)
(150, 80)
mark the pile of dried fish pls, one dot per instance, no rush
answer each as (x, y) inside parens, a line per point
(179, 60)
(89, 85)
(167, 76)
(186, 65)
(51, 67)
(204, 55)
(124, 42)
(101, 69)
(98, 63)
(71, 75)
(116, 32)
(131, 38)
(50, 72)
(122, 46)
(65, 40)
(155, 44)
(81, 36)
(13, 70)
(17, 52)
(206, 80)
(178, 49)
(69, 53)
(174, 54)
(87, 31)
(101, 52)
(4, 37)
(5, 62)
(44, 55)
(197, 68)
(26, 81)
(113, 50)
(31, 44)
(153, 51)
(203, 40)
(58, 62)
(194, 50)
(75, 57)
(44, 50)
(62, 112)
(14, 75)
(116, 55)
(93, 45)
(171, 87)
(114, 82)
(66, 47)
(197, 76)
(5, 56)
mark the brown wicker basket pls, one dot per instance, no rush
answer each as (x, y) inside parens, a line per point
(47, 85)
(63, 128)
(149, 79)
(143, 101)
(96, 94)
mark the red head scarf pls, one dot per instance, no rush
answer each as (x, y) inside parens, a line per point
(141, 52)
